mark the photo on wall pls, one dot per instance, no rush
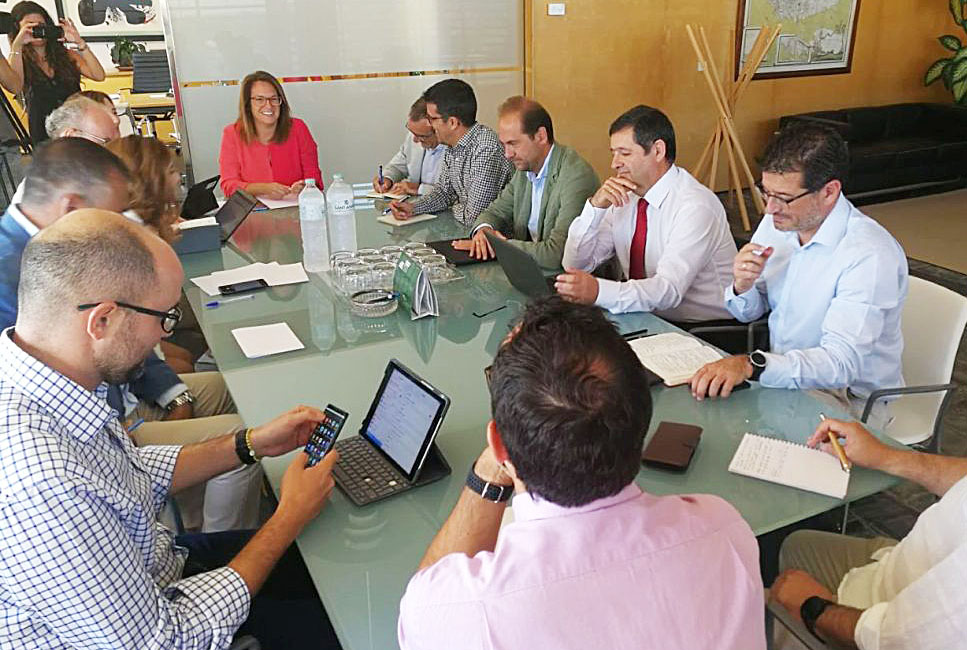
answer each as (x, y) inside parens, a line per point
(817, 36)
(104, 20)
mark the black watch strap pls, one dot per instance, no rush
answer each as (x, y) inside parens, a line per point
(758, 360)
(242, 449)
(489, 491)
(810, 611)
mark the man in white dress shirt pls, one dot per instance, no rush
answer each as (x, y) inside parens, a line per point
(880, 594)
(414, 168)
(667, 230)
(832, 280)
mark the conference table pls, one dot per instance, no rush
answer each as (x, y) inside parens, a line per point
(361, 558)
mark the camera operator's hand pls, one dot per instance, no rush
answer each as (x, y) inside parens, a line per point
(71, 35)
(25, 37)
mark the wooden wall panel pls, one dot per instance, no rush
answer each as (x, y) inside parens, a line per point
(605, 56)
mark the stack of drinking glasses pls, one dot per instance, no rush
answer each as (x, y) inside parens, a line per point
(373, 268)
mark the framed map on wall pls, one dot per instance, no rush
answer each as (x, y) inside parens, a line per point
(104, 20)
(816, 38)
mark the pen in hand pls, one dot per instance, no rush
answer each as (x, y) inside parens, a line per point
(838, 448)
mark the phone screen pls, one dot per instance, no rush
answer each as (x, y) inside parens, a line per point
(243, 287)
(325, 434)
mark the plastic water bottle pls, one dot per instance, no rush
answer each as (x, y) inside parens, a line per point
(315, 237)
(342, 215)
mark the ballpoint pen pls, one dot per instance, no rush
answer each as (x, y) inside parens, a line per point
(380, 177)
(222, 301)
(838, 448)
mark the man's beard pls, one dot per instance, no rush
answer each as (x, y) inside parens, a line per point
(118, 366)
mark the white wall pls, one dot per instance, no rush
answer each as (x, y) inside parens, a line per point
(357, 123)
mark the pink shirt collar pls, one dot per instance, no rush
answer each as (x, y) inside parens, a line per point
(528, 507)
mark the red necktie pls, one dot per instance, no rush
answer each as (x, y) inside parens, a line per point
(636, 266)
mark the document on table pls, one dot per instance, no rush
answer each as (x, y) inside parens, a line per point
(265, 340)
(273, 273)
(389, 219)
(791, 464)
(273, 204)
(672, 356)
(396, 196)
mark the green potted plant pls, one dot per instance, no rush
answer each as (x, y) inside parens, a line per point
(952, 69)
(123, 50)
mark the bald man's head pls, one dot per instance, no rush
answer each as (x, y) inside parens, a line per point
(87, 256)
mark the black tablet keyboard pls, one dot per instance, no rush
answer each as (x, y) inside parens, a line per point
(363, 474)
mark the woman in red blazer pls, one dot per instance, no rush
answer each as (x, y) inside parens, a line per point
(267, 152)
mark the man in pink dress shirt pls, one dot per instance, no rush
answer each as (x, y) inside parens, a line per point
(590, 561)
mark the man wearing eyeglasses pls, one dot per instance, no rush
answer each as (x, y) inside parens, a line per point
(70, 173)
(833, 279)
(84, 561)
(415, 167)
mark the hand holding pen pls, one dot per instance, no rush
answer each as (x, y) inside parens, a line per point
(748, 266)
(860, 447)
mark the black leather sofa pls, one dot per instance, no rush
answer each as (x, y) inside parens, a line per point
(900, 146)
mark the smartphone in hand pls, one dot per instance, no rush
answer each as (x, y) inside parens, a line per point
(325, 434)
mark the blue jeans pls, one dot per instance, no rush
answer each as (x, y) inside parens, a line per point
(286, 613)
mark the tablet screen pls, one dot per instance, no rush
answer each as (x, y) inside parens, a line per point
(404, 418)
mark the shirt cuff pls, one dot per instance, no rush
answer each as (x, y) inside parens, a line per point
(867, 632)
(159, 462)
(777, 372)
(220, 597)
(165, 398)
(425, 188)
(608, 291)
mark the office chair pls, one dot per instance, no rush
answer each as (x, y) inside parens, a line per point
(151, 74)
(933, 324)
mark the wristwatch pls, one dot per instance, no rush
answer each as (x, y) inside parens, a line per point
(180, 400)
(490, 491)
(758, 360)
(810, 611)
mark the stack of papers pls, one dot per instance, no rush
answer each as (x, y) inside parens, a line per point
(274, 204)
(273, 273)
(672, 356)
(396, 196)
(264, 340)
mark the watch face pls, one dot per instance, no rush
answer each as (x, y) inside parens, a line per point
(758, 358)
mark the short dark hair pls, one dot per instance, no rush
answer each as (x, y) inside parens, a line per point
(816, 150)
(649, 124)
(71, 165)
(532, 115)
(570, 400)
(418, 110)
(453, 98)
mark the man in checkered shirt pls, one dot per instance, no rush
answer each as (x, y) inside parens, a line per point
(84, 562)
(474, 168)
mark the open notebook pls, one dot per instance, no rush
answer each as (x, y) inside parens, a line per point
(791, 464)
(672, 356)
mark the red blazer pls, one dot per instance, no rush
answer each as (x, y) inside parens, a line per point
(293, 160)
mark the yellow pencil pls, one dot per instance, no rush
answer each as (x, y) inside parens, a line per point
(838, 448)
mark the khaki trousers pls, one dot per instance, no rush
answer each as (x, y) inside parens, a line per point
(828, 557)
(229, 501)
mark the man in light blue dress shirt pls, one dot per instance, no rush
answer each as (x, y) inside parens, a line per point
(833, 279)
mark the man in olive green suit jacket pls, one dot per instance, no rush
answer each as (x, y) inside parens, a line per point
(546, 193)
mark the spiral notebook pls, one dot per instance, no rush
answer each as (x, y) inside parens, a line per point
(791, 464)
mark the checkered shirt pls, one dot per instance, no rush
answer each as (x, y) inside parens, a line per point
(471, 176)
(84, 562)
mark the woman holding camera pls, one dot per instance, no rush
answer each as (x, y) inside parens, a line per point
(267, 152)
(43, 68)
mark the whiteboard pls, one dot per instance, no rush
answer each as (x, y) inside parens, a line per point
(358, 121)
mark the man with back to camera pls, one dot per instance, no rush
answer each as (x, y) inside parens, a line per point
(833, 278)
(545, 193)
(414, 169)
(590, 561)
(83, 560)
(474, 169)
(667, 230)
(880, 594)
(71, 173)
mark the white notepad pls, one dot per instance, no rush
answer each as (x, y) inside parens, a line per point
(265, 340)
(393, 221)
(791, 464)
(672, 356)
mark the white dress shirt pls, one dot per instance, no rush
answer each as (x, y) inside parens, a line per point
(836, 304)
(915, 593)
(688, 252)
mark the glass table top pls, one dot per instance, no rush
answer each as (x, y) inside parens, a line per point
(361, 558)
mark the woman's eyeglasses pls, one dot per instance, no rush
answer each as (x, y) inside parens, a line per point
(275, 100)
